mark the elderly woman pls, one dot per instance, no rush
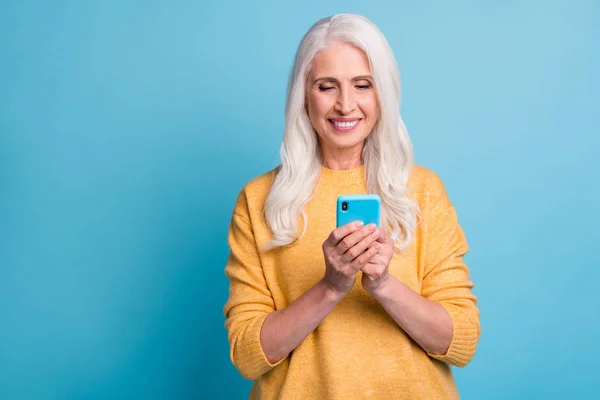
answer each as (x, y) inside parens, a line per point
(355, 312)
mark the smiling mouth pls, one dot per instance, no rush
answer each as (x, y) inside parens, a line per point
(344, 125)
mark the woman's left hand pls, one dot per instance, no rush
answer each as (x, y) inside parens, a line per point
(375, 272)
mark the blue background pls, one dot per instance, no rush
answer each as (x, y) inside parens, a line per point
(127, 129)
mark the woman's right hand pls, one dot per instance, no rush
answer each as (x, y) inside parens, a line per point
(347, 249)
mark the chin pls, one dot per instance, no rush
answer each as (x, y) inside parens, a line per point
(347, 140)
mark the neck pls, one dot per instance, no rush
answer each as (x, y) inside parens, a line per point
(342, 164)
(347, 160)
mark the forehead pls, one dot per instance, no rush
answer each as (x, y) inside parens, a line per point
(340, 60)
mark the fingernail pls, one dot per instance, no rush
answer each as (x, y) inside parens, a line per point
(359, 224)
(371, 227)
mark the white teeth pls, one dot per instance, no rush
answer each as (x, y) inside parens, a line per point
(345, 124)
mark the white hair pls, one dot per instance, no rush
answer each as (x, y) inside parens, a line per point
(387, 153)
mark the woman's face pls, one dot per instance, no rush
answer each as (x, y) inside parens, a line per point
(341, 100)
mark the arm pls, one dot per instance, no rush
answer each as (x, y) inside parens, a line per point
(345, 251)
(424, 320)
(446, 278)
(250, 300)
(443, 319)
(285, 329)
(260, 337)
(447, 282)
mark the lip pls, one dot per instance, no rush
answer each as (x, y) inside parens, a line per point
(343, 119)
(344, 130)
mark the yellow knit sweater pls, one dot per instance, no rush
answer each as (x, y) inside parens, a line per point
(358, 351)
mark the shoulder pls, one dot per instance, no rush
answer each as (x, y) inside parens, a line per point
(427, 189)
(262, 182)
(423, 181)
(259, 186)
(254, 192)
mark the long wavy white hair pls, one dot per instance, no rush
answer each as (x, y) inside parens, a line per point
(387, 152)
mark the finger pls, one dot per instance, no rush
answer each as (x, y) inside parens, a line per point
(340, 233)
(373, 271)
(352, 239)
(383, 237)
(359, 247)
(369, 269)
(363, 259)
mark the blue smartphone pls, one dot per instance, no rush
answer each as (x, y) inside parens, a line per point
(358, 207)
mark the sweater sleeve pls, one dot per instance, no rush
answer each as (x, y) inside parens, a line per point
(250, 300)
(446, 277)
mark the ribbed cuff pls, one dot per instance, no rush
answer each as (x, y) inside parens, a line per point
(253, 361)
(465, 335)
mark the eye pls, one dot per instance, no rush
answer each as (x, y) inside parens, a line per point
(326, 88)
(364, 86)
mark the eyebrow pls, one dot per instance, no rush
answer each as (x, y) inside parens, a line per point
(356, 78)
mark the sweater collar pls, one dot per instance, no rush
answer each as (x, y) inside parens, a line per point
(343, 176)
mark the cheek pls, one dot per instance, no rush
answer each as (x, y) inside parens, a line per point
(318, 107)
(370, 107)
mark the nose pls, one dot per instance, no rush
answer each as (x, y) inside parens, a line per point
(345, 103)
